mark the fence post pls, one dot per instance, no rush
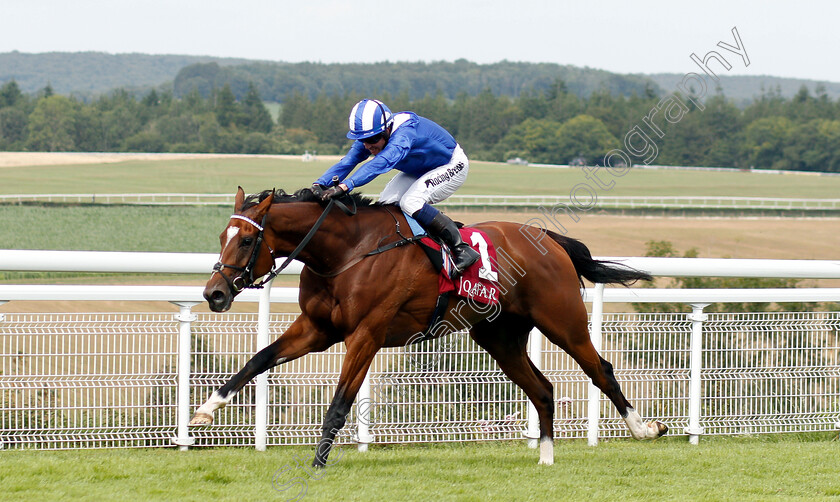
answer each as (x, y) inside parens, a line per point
(2, 319)
(363, 405)
(535, 353)
(595, 334)
(697, 317)
(185, 317)
(261, 398)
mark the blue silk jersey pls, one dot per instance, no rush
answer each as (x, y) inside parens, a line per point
(416, 146)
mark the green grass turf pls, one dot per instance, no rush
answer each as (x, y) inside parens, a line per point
(196, 228)
(223, 175)
(113, 228)
(668, 469)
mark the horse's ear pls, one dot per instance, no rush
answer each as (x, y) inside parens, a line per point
(266, 203)
(238, 200)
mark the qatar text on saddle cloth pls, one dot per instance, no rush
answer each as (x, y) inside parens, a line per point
(479, 282)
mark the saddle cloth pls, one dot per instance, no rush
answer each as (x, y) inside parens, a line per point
(480, 282)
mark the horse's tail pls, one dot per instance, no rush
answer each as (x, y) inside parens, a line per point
(597, 271)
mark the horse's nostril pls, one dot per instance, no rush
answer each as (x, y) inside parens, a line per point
(214, 296)
(217, 300)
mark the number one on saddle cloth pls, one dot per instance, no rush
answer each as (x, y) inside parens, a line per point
(486, 271)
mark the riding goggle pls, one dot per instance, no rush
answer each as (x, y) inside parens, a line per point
(373, 139)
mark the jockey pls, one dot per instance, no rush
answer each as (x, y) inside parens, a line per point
(431, 163)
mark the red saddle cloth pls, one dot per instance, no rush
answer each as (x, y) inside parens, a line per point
(480, 282)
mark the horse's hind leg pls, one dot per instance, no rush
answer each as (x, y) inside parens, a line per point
(570, 332)
(505, 339)
(300, 339)
(638, 429)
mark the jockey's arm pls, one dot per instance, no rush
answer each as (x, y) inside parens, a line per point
(357, 154)
(395, 151)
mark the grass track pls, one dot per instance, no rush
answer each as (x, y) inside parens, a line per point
(223, 175)
(195, 229)
(113, 228)
(786, 468)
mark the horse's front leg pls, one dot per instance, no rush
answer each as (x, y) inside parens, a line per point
(301, 338)
(360, 351)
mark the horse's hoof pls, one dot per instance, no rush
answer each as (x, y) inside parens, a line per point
(201, 419)
(662, 428)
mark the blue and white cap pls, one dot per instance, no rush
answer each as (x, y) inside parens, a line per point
(368, 118)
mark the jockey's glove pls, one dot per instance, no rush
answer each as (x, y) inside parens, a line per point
(333, 192)
(318, 190)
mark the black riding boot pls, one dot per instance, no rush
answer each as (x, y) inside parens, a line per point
(463, 255)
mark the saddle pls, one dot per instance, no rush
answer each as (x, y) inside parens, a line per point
(480, 282)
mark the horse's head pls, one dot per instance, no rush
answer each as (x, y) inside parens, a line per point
(245, 254)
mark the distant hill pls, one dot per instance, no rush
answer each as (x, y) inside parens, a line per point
(91, 73)
(87, 74)
(744, 89)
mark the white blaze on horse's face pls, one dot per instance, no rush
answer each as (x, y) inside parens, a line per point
(231, 233)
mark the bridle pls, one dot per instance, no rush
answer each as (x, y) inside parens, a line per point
(245, 279)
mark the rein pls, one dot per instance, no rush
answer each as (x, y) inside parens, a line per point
(249, 269)
(308, 237)
(404, 241)
(241, 282)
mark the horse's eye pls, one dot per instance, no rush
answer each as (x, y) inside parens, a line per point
(246, 242)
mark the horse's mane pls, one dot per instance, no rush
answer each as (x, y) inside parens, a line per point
(302, 195)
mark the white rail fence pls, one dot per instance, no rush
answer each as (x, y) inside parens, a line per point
(131, 380)
(459, 200)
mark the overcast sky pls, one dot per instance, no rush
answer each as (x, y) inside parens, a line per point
(782, 38)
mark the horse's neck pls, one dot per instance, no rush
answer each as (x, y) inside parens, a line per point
(338, 239)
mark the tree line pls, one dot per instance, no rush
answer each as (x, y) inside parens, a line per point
(553, 125)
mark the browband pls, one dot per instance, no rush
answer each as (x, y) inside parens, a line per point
(249, 220)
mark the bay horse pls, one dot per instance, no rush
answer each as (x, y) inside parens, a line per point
(371, 301)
